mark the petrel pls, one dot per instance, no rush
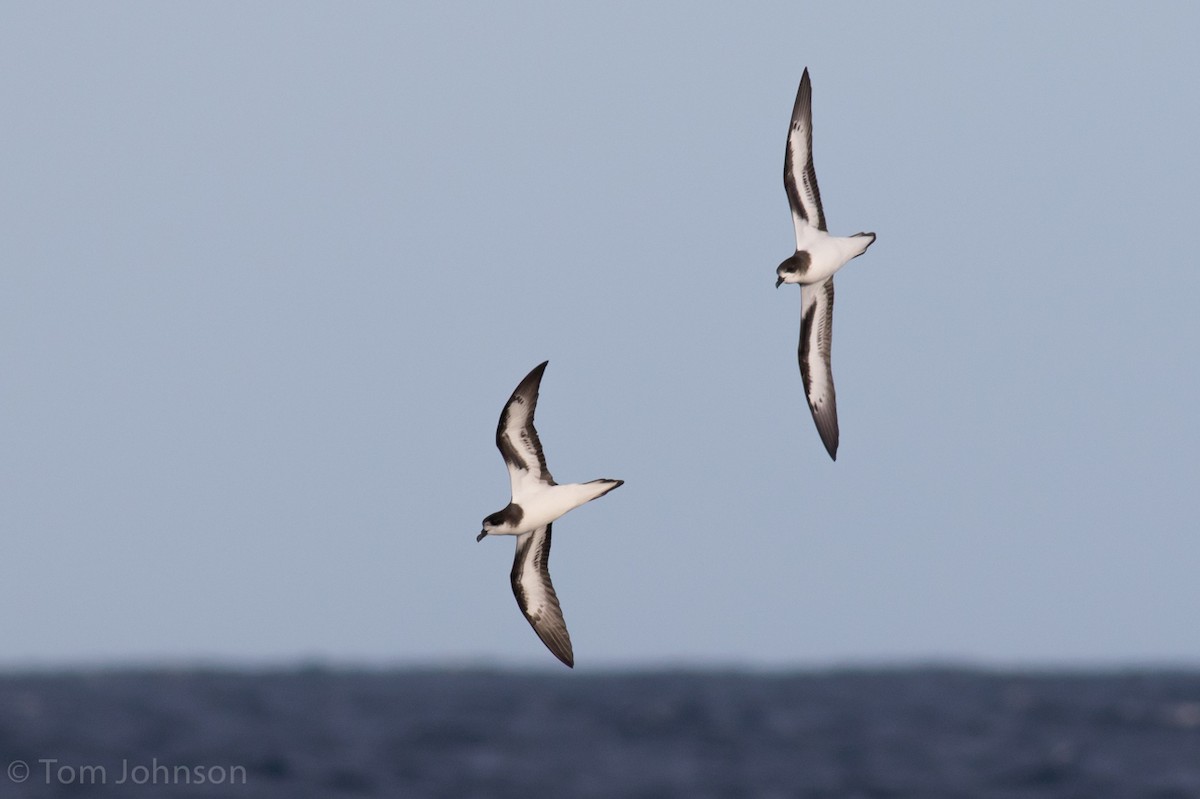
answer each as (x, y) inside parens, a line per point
(818, 255)
(537, 501)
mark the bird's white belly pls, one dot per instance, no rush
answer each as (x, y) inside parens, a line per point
(545, 506)
(827, 255)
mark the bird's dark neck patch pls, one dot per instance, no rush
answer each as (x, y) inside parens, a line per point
(801, 261)
(511, 516)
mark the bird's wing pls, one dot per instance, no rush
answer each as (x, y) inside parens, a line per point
(816, 337)
(799, 177)
(517, 439)
(535, 593)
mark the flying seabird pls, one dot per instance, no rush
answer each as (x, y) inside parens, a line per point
(818, 255)
(537, 501)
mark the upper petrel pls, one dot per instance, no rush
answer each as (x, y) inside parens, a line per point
(537, 501)
(818, 255)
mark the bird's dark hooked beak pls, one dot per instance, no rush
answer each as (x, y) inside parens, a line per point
(778, 282)
(481, 536)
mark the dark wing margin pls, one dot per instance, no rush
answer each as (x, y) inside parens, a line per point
(799, 175)
(535, 593)
(516, 437)
(816, 340)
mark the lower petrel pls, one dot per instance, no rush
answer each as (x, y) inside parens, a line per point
(537, 501)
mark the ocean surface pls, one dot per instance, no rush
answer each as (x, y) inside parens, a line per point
(475, 733)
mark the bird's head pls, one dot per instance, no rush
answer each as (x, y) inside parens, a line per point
(502, 522)
(792, 270)
(489, 526)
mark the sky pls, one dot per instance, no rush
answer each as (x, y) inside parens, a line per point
(269, 272)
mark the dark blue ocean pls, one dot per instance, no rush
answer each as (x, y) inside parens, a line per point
(456, 734)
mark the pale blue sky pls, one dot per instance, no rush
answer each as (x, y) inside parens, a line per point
(268, 273)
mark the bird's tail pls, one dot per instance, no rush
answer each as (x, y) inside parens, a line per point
(601, 487)
(870, 239)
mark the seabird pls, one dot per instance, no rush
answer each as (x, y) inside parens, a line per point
(537, 501)
(818, 255)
